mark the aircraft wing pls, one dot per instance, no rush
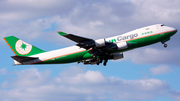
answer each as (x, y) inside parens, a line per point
(75, 38)
(81, 41)
(97, 47)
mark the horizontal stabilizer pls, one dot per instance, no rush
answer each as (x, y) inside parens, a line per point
(23, 58)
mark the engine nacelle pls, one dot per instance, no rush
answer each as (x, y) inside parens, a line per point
(91, 61)
(122, 45)
(118, 56)
(100, 43)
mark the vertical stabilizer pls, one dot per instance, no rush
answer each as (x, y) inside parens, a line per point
(21, 48)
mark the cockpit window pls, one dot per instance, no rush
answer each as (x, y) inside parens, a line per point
(162, 25)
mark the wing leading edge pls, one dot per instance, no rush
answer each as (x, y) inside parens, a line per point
(81, 41)
(99, 49)
(74, 38)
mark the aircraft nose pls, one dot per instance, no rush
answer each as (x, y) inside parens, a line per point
(172, 30)
(175, 30)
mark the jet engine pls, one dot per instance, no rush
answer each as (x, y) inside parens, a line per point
(100, 60)
(100, 42)
(117, 56)
(91, 61)
(122, 45)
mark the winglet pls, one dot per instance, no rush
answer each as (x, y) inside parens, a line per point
(62, 33)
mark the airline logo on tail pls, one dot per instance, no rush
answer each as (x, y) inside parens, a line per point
(23, 47)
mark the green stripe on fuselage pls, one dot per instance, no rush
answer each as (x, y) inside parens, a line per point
(140, 42)
(135, 43)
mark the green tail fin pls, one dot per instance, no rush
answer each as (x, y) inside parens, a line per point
(21, 48)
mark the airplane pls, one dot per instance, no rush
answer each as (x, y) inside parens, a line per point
(90, 51)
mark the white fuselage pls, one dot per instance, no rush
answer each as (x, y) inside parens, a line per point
(135, 34)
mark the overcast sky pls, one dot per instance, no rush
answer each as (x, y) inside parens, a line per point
(151, 73)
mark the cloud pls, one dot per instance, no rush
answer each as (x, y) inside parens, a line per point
(157, 10)
(175, 94)
(89, 19)
(160, 70)
(153, 55)
(3, 71)
(28, 30)
(24, 10)
(28, 78)
(31, 84)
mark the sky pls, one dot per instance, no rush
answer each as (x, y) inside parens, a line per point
(150, 73)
